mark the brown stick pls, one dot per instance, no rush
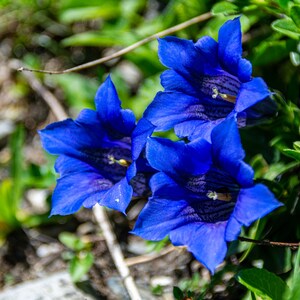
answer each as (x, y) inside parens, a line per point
(115, 251)
(146, 40)
(270, 243)
(141, 259)
(48, 97)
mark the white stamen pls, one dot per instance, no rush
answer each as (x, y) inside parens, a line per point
(212, 195)
(111, 159)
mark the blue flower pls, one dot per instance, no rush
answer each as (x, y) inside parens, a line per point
(95, 160)
(203, 194)
(206, 82)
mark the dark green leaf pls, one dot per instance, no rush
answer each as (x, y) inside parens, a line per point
(295, 14)
(263, 283)
(177, 293)
(225, 8)
(287, 27)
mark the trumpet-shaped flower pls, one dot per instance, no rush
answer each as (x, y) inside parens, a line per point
(95, 161)
(203, 194)
(206, 82)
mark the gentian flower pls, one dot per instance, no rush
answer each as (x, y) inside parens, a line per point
(206, 82)
(203, 194)
(95, 161)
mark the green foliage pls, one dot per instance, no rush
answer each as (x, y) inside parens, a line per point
(293, 293)
(262, 283)
(225, 8)
(180, 295)
(11, 188)
(80, 258)
(293, 153)
(287, 27)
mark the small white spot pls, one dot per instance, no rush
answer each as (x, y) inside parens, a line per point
(117, 200)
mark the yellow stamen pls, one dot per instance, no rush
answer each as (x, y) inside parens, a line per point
(218, 196)
(122, 162)
(226, 97)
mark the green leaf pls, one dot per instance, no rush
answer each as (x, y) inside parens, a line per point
(271, 52)
(8, 211)
(283, 3)
(225, 8)
(17, 167)
(79, 266)
(278, 169)
(105, 38)
(71, 241)
(105, 11)
(262, 283)
(295, 14)
(297, 145)
(293, 293)
(292, 153)
(287, 27)
(295, 58)
(177, 293)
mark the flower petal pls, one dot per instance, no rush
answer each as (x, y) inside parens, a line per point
(180, 55)
(70, 137)
(252, 204)
(82, 188)
(165, 187)
(119, 196)
(194, 129)
(172, 81)
(159, 217)
(177, 158)
(142, 131)
(204, 240)
(230, 50)
(108, 105)
(168, 109)
(228, 152)
(208, 47)
(250, 93)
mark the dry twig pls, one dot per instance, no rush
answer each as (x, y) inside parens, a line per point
(141, 259)
(48, 97)
(128, 49)
(270, 243)
(116, 252)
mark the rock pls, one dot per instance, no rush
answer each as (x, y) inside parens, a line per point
(56, 286)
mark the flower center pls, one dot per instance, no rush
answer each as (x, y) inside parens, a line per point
(212, 195)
